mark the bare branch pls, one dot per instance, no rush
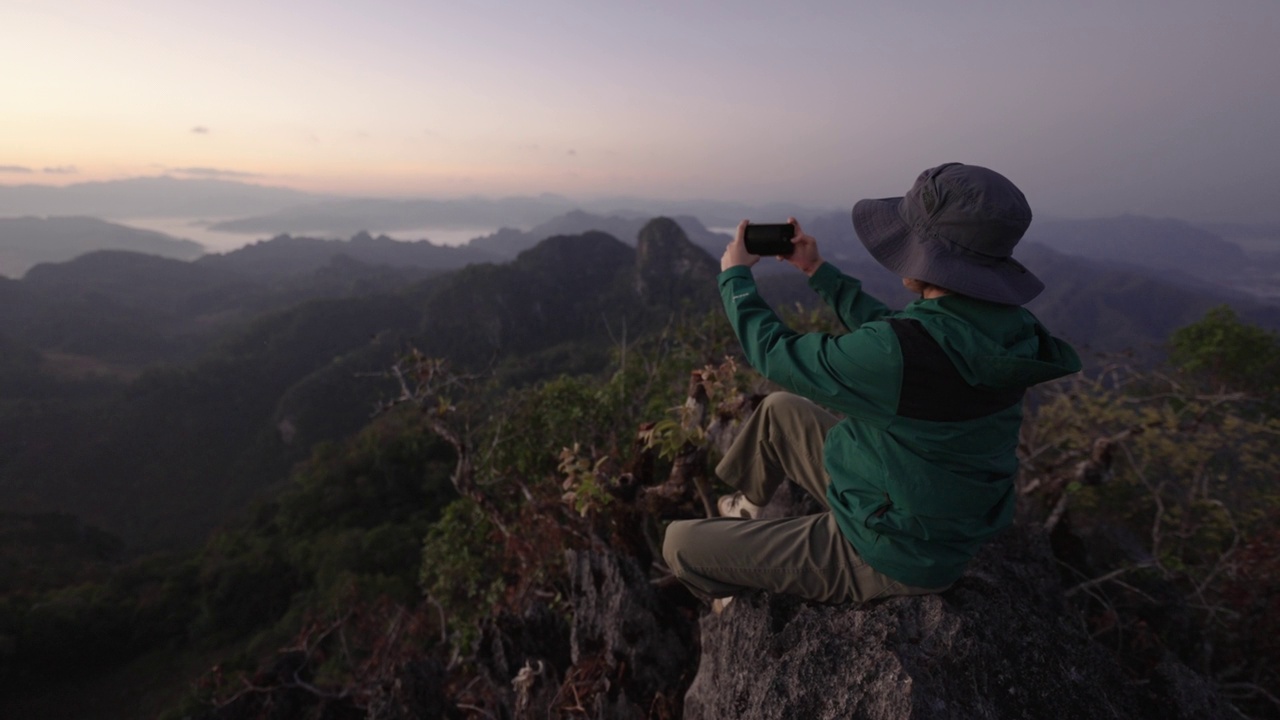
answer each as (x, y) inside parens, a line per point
(1102, 579)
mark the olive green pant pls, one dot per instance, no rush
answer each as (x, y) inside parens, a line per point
(805, 556)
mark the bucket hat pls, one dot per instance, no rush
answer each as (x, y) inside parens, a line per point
(955, 228)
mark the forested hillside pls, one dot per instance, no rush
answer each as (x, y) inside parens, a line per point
(348, 491)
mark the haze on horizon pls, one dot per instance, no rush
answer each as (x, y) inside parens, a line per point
(1155, 107)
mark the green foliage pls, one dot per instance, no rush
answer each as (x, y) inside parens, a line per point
(533, 424)
(460, 568)
(1183, 473)
(1230, 353)
(393, 470)
(346, 531)
(1189, 467)
(584, 480)
(246, 582)
(681, 430)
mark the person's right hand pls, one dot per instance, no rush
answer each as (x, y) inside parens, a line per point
(805, 255)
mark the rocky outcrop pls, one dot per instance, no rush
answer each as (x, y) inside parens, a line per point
(621, 626)
(670, 268)
(1001, 643)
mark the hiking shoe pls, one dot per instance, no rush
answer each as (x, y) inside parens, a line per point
(737, 506)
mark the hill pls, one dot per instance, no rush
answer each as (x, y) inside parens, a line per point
(345, 217)
(184, 446)
(508, 242)
(1163, 245)
(28, 241)
(245, 360)
(314, 598)
(284, 255)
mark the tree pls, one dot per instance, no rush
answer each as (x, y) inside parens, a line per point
(1230, 353)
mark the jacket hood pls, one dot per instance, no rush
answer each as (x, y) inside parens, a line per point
(993, 345)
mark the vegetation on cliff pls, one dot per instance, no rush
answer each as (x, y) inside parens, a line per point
(415, 564)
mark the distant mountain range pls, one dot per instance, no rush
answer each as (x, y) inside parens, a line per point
(344, 217)
(222, 359)
(28, 241)
(197, 364)
(270, 211)
(1161, 244)
(509, 242)
(1174, 250)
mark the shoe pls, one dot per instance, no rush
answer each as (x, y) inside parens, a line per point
(737, 506)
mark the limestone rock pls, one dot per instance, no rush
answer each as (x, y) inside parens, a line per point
(638, 644)
(1001, 643)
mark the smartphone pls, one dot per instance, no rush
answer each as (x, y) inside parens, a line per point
(765, 239)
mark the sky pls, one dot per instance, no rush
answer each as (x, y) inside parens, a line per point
(1158, 107)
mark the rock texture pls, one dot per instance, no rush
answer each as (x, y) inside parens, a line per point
(641, 645)
(671, 269)
(1001, 643)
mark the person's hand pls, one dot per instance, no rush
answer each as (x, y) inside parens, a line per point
(805, 255)
(735, 253)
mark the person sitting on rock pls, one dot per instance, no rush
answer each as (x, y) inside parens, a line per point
(917, 470)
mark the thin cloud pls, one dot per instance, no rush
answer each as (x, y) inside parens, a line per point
(214, 172)
(200, 130)
(61, 170)
(15, 169)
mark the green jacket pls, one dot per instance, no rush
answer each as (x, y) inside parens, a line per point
(922, 465)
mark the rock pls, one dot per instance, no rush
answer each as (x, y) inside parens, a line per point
(631, 651)
(520, 658)
(1001, 643)
(671, 269)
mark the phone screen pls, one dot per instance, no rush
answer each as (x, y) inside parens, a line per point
(770, 239)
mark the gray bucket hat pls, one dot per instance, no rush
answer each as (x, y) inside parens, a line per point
(955, 228)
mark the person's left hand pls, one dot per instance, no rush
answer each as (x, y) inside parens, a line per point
(735, 253)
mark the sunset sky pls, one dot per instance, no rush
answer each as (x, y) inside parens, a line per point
(1159, 107)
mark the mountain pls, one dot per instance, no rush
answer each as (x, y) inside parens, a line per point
(285, 255)
(162, 196)
(509, 242)
(117, 312)
(345, 217)
(1110, 307)
(1164, 245)
(27, 241)
(555, 607)
(229, 368)
(162, 456)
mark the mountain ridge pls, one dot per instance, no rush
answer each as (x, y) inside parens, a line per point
(29, 240)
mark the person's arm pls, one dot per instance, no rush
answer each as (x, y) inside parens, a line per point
(857, 373)
(843, 294)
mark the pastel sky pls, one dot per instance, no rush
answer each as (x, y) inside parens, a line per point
(1159, 107)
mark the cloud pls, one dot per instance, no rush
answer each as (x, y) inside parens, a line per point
(61, 170)
(213, 172)
(15, 169)
(200, 130)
